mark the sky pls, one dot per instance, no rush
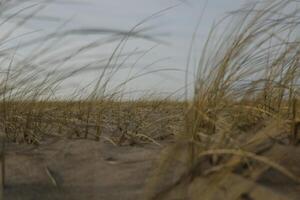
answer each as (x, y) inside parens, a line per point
(173, 28)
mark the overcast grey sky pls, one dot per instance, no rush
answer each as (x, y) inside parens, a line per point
(175, 27)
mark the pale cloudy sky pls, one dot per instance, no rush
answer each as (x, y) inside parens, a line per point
(175, 27)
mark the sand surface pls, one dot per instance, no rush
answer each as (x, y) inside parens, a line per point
(77, 169)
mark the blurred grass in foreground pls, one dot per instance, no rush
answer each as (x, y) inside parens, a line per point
(244, 106)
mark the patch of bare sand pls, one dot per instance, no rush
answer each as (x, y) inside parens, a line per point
(81, 169)
(85, 169)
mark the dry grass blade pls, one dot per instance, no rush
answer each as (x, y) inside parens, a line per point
(253, 156)
(148, 138)
(51, 177)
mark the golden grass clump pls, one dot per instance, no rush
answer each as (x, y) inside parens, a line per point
(244, 106)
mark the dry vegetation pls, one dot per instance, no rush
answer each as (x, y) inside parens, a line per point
(244, 118)
(242, 124)
(113, 121)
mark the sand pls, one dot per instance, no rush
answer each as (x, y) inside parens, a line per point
(77, 169)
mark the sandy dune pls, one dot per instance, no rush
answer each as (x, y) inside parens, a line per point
(80, 169)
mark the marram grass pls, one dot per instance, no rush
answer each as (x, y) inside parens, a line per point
(245, 101)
